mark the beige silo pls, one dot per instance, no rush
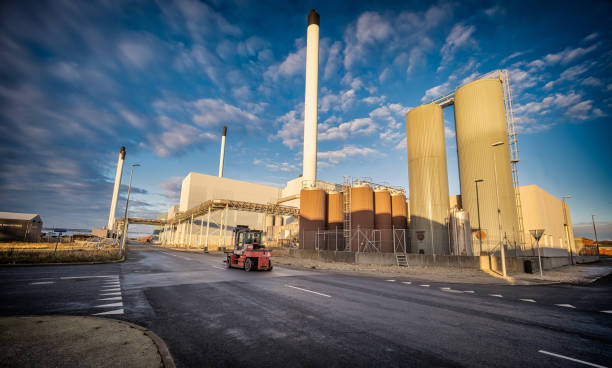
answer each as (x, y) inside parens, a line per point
(335, 220)
(312, 216)
(399, 210)
(362, 215)
(428, 180)
(382, 218)
(480, 121)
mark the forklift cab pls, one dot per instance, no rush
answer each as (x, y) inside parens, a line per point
(243, 237)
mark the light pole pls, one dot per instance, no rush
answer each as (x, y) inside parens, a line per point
(595, 231)
(566, 229)
(499, 218)
(478, 211)
(125, 218)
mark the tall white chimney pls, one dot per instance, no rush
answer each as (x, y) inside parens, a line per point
(113, 208)
(309, 166)
(222, 152)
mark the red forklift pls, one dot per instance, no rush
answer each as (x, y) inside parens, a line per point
(248, 254)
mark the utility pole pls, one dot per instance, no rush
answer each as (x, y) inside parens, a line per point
(499, 218)
(478, 211)
(595, 231)
(125, 216)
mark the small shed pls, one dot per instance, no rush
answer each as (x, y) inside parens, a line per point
(20, 226)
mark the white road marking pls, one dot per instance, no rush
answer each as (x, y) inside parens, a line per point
(407, 282)
(496, 295)
(117, 311)
(391, 280)
(112, 298)
(424, 285)
(610, 311)
(469, 291)
(528, 300)
(114, 289)
(111, 305)
(84, 277)
(572, 359)
(221, 268)
(449, 290)
(308, 291)
(565, 306)
(42, 283)
(110, 294)
(112, 283)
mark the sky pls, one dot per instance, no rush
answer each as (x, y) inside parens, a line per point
(79, 79)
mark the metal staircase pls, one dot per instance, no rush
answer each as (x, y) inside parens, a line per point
(346, 189)
(514, 152)
(401, 259)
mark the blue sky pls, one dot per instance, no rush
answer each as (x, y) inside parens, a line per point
(80, 79)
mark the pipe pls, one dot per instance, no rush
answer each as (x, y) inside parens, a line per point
(309, 166)
(113, 208)
(287, 199)
(222, 152)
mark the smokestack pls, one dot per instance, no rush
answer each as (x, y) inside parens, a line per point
(309, 165)
(113, 208)
(222, 152)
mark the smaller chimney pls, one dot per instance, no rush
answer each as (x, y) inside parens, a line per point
(222, 152)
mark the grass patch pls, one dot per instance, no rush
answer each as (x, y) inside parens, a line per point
(20, 253)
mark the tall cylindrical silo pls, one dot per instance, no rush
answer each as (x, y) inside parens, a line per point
(312, 216)
(382, 218)
(362, 214)
(428, 179)
(481, 125)
(335, 220)
(399, 211)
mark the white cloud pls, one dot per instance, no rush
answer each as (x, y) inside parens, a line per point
(214, 112)
(373, 100)
(512, 56)
(569, 74)
(562, 57)
(361, 126)
(495, 10)
(334, 59)
(332, 158)
(437, 91)
(459, 37)
(584, 110)
(294, 64)
(392, 114)
(175, 138)
(172, 187)
(291, 131)
(448, 132)
(136, 52)
(592, 81)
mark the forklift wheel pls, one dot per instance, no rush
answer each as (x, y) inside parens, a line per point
(248, 265)
(270, 266)
(229, 262)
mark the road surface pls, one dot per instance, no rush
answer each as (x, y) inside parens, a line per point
(212, 316)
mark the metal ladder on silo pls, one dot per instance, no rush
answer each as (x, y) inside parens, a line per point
(514, 152)
(348, 182)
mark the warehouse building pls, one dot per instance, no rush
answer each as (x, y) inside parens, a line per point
(20, 226)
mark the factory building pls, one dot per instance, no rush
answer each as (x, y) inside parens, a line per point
(20, 226)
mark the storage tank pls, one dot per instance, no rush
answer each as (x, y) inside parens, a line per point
(335, 220)
(460, 233)
(382, 218)
(312, 216)
(480, 120)
(399, 210)
(362, 214)
(428, 179)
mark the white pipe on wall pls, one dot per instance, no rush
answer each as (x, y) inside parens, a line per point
(113, 208)
(309, 166)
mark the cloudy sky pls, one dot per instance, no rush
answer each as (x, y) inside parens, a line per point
(79, 79)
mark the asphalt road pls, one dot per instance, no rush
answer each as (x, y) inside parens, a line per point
(212, 316)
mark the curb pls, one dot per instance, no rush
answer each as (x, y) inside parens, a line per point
(122, 259)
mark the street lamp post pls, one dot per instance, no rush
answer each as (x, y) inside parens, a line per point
(125, 218)
(499, 218)
(595, 231)
(478, 211)
(566, 229)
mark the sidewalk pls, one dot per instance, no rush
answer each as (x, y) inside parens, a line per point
(62, 341)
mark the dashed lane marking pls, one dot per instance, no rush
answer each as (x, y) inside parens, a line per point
(469, 291)
(528, 300)
(86, 277)
(221, 268)
(424, 285)
(390, 280)
(449, 290)
(496, 295)
(308, 291)
(571, 359)
(110, 294)
(407, 282)
(565, 306)
(609, 311)
(42, 283)
(117, 311)
(110, 305)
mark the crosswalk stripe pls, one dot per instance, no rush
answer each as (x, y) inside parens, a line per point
(116, 311)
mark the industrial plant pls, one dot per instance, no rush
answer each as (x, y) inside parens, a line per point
(492, 215)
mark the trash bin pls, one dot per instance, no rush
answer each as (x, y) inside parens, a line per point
(528, 266)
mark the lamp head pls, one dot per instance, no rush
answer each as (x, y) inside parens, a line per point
(496, 144)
